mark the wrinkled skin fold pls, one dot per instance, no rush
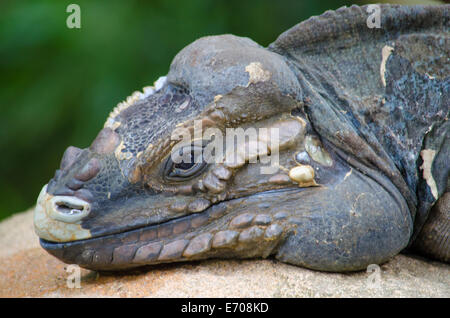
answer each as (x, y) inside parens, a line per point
(362, 167)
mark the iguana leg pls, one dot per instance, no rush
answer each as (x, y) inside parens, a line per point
(434, 239)
(360, 220)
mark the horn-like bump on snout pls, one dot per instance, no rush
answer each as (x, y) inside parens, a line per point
(69, 157)
(89, 171)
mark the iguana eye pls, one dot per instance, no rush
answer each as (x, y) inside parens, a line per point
(185, 163)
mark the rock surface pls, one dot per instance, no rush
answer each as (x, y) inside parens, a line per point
(26, 270)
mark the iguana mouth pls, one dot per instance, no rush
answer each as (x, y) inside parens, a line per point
(218, 230)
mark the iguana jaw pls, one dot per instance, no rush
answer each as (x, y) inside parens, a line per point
(246, 223)
(231, 228)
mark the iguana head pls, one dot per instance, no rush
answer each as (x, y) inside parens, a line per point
(125, 201)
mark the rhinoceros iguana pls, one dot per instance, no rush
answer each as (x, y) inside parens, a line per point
(362, 141)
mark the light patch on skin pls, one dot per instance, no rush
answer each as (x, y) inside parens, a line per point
(257, 73)
(429, 129)
(385, 53)
(301, 120)
(52, 230)
(348, 174)
(182, 107)
(111, 123)
(427, 157)
(303, 175)
(315, 150)
(132, 99)
(149, 147)
(122, 155)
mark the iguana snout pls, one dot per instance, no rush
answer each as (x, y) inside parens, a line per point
(68, 198)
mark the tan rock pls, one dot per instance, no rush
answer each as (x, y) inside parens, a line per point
(26, 270)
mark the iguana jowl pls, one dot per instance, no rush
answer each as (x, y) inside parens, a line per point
(363, 124)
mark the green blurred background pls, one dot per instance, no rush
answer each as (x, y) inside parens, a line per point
(59, 84)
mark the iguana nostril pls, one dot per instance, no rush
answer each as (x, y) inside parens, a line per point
(89, 170)
(68, 209)
(69, 157)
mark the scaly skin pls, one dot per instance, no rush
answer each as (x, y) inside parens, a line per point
(362, 116)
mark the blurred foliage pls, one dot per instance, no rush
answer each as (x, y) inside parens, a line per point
(59, 84)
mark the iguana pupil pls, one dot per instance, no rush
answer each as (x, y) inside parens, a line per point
(191, 164)
(184, 165)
